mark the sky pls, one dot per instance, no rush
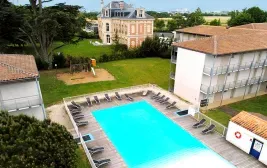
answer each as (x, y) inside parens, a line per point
(168, 5)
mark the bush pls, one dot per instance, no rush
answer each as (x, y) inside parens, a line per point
(60, 60)
(41, 65)
(119, 47)
(28, 142)
(151, 47)
(86, 35)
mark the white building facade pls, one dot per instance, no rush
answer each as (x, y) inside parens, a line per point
(247, 132)
(199, 70)
(20, 91)
(201, 76)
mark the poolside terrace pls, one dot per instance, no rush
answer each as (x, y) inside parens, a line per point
(219, 144)
(215, 141)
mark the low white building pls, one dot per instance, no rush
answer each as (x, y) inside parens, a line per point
(249, 133)
(220, 67)
(20, 91)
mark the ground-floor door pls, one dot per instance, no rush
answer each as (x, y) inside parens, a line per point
(256, 148)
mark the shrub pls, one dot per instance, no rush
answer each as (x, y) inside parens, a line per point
(85, 35)
(60, 60)
(28, 142)
(41, 65)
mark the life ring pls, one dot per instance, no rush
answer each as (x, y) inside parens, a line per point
(238, 135)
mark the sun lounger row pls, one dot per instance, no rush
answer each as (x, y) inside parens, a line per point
(98, 163)
(207, 130)
(76, 110)
(163, 100)
(108, 99)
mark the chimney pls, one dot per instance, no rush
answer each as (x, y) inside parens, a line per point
(102, 6)
(121, 5)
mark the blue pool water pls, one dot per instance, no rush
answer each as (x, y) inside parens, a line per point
(145, 138)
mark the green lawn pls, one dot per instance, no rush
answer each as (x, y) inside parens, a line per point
(84, 49)
(257, 105)
(127, 73)
(219, 116)
(82, 161)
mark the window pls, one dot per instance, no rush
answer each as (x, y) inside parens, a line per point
(133, 29)
(106, 13)
(107, 27)
(141, 28)
(141, 13)
(133, 44)
(148, 28)
(108, 39)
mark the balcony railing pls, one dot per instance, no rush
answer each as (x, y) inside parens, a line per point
(20, 103)
(172, 75)
(231, 85)
(233, 68)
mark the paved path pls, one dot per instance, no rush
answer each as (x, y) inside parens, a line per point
(218, 144)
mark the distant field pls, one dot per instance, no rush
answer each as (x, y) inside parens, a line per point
(223, 19)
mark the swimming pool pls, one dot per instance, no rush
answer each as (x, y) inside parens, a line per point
(145, 138)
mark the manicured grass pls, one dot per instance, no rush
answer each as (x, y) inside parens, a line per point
(257, 105)
(84, 49)
(126, 72)
(82, 161)
(81, 49)
(219, 116)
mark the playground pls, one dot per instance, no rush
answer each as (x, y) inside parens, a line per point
(85, 77)
(84, 71)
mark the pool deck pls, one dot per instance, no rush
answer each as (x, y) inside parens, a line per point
(219, 144)
(214, 140)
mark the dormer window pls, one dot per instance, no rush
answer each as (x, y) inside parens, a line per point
(106, 13)
(141, 13)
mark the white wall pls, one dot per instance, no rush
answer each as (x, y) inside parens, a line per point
(188, 76)
(187, 36)
(17, 90)
(20, 95)
(36, 112)
(246, 139)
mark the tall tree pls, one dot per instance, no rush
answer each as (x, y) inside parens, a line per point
(240, 19)
(160, 25)
(44, 25)
(172, 25)
(29, 143)
(10, 22)
(257, 14)
(180, 20)
(195, 18)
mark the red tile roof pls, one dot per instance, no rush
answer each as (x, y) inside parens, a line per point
(206, 30)
(256, 26)
(16, 67)
(252, 123)
(227, 44)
